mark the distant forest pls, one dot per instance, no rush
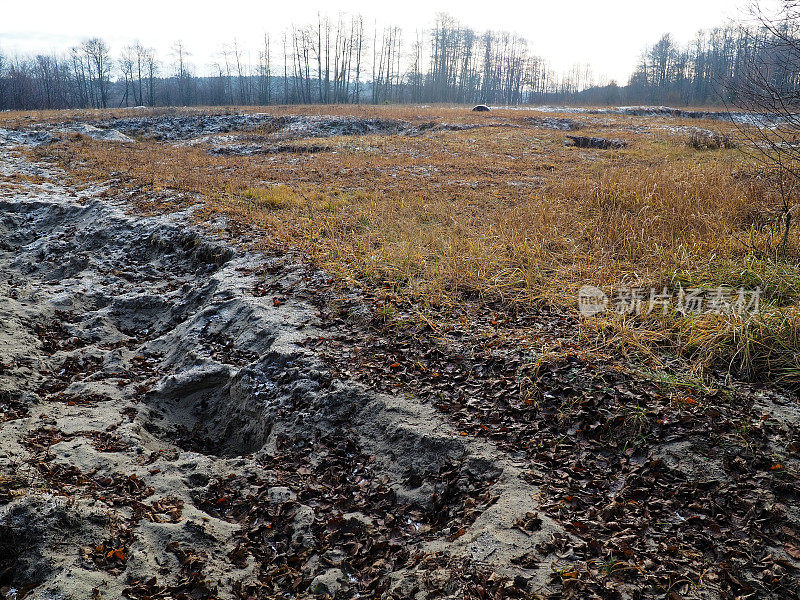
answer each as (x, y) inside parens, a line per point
(342, 62)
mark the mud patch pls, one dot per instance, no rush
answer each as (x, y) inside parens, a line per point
(554, 123)
(254, 150)
(25, 137)
(175, 128)
(217, 130)
(185, 127)
(594, 142)
(173, 427)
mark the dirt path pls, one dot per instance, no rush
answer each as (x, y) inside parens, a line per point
(165, 430)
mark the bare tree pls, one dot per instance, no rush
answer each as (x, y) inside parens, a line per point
(360, 46)
(242, 73)
(151, 68)
(127, 60)
(98, 61)
(265, 84)
(3, 101)
(771, 90)
(139, 71)
(182, 71)
(285, 72)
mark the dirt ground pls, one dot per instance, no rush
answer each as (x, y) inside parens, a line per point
(181, 417)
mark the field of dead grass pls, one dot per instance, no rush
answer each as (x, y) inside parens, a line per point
(505, 212)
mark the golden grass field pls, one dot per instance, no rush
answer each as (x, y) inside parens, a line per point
(506, 214)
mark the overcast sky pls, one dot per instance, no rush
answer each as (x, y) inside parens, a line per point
(608, 34)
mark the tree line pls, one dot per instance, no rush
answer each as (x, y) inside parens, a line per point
(342, 62)
(709, 70)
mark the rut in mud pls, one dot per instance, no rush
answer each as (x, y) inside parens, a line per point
(164, 427)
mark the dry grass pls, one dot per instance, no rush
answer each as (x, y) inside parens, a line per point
(508, 213)
(711, 141)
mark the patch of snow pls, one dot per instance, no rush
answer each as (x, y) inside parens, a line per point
(96, 133)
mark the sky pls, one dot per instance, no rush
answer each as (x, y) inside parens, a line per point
(608, 34)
